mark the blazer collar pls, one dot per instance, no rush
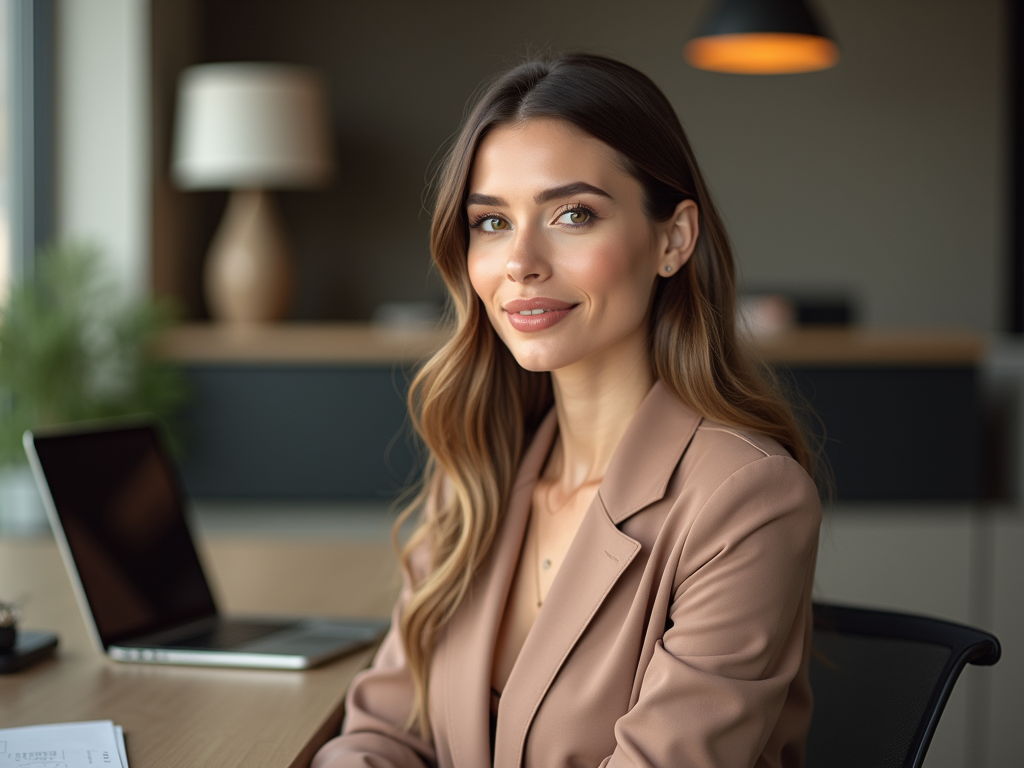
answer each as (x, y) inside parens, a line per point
(472, 631)
(637, 476)
(648, 453)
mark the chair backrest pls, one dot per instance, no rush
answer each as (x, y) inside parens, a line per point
(880, 683)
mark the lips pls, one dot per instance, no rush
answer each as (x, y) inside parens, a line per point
(538, 314)
(529, 305)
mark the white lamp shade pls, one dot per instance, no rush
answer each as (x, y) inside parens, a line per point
(251, 125)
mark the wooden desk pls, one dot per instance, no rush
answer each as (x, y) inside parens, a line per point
(185, 716)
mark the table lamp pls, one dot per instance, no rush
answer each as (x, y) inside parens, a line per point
(250, 128)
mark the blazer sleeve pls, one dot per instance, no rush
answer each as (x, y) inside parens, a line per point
(378, 702)
(738, 628)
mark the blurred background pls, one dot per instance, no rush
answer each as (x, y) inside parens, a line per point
(874, 206)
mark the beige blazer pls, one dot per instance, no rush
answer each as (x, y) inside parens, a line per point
(676, 632)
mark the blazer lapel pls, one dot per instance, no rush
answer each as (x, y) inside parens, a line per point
(638, 475)
(471, 634)
(648, 454)
(597, 557)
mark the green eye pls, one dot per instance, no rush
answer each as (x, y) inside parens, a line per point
(577, 217)
(494, 224)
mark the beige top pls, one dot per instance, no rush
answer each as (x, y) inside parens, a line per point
(676, 633)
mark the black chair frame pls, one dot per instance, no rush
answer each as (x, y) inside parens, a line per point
(967, 646)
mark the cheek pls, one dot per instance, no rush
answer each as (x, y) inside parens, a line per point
(483, 278)
(478, 275)
(619, 275)
(611, 266)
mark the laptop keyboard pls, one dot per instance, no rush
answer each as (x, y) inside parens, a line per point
(230, 635)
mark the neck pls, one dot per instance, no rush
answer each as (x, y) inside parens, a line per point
(595, 400)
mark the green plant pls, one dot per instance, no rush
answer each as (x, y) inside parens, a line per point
(72, 349)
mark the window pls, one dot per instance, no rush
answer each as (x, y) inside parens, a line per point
(26, 131)
(5, 178)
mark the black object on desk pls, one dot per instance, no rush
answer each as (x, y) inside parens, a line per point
(29, 648)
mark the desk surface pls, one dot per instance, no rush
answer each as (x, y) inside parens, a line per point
(182, 716)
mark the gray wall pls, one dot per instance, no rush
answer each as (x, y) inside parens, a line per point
(883, 178)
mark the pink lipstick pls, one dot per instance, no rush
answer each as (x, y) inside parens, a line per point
(529, 315)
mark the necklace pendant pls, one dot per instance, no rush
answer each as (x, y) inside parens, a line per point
(546, 564)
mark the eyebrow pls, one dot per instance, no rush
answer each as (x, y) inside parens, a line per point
(566, 190)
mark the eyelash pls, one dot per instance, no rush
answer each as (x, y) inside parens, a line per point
(476, 222)
(572, 208)
(578, 207)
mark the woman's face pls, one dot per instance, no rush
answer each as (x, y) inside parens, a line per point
(561, 253)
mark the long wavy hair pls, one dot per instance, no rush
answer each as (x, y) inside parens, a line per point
(472, 404)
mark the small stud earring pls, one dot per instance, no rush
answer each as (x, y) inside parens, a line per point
(668, 268)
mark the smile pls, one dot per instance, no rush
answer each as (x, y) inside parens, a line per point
(533, 320)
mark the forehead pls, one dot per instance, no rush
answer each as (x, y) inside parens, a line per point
(541, 153)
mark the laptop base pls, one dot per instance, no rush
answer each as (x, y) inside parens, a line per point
(299, 644)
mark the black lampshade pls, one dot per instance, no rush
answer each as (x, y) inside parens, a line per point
(762, 37)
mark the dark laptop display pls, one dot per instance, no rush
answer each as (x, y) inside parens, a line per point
(120, 506)
(118, 512)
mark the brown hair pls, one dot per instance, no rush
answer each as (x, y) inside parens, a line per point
(476, 408)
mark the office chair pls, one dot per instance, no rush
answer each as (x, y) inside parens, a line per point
(881, 681)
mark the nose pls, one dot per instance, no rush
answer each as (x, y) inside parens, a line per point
(527, 260)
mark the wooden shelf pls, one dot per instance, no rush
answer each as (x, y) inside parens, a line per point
(857, 347)
(303, 343)
(369, 344)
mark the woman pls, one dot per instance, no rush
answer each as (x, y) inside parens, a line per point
(618, 534)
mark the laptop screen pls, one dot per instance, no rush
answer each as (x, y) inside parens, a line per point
(120, 505)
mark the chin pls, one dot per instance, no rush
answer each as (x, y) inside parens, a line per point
(535, 367)
(539, 355)
(540, 360)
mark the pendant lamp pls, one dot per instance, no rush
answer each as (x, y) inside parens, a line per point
(761, 37)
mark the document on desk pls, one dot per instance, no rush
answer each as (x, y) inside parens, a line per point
(97, 744)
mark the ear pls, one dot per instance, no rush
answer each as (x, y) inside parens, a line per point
(679, 238)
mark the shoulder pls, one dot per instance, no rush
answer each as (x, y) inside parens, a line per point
(732, 482)
(676, 466)
(721, 454)
(728, 481)
(728, 442)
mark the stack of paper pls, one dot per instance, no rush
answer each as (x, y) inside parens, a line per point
(96, 744)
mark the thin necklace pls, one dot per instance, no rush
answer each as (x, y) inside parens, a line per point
(545, 564)
(566, 503)
(536, 559)
(572, 496)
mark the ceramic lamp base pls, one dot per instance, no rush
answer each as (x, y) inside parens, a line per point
(248, 274)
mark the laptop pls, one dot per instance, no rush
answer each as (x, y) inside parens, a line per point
(118, 513)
